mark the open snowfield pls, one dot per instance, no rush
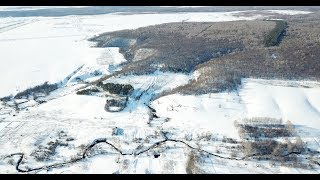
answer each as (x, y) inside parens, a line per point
(288, 12)
(295, 101)
(84, 119)
(71, 133)
(25, 8)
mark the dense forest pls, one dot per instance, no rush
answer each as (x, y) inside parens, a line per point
(222, 52)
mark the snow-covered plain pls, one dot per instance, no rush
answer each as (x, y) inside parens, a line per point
(289, 12)
(288, 100)
(26, 8)
(58, 46)
(84, 119)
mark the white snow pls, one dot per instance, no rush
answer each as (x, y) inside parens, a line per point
(45, 50)
(112, 56)
(289, 12)
(156, 82)
(257, 98)
(298, 104)
(34, 50)
(213, 112)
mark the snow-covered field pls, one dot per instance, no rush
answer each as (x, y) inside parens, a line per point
(289, 12)
(25, 8)
(53, 137)
(288, 100)
(300, 105)
(84, 119)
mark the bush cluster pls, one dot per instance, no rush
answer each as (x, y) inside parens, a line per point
(120, 89)
(273, 37)
(44, 88)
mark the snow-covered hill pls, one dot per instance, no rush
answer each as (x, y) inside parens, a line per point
(50, 48)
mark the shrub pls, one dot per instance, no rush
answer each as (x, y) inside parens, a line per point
(11, 161)
(117, 131)
(6, 98)
(264, 128)
(259, 148)
(273, 37)
(45, 88)
(120, 89)
(273, 150)
(116, 104)
(192, 167)
(266, 131)
(88, 91)
(229, 140)
(298, 146)
(43, 153)
(234, 153)
(247, 148)
(262, 121)
(291, 128)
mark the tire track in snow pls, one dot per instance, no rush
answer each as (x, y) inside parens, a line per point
(16, 25)
(312, 107)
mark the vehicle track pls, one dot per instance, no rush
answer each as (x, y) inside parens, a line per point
(16, 25)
